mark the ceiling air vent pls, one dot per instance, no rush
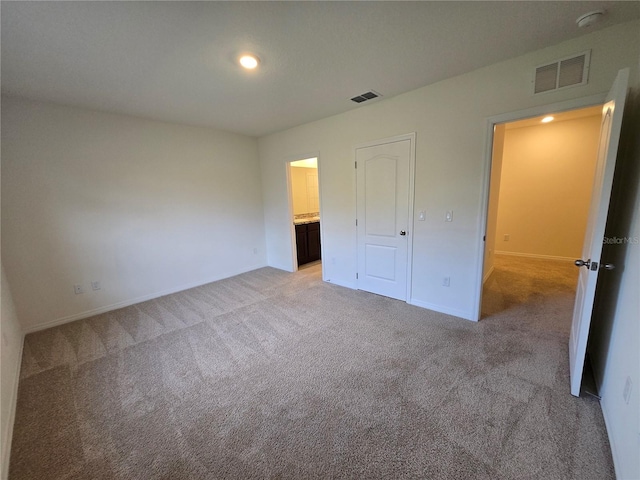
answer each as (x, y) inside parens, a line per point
(370, 95)
(565, 72)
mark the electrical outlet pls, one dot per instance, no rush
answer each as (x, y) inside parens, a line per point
(95, 285)
(506, 237)
(446, 281)
(626, 393)
(78, 289)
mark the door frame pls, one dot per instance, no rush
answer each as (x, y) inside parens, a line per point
(537, 111)
(411, 217)
(292, 227)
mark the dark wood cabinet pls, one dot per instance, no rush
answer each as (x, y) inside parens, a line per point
(313, 237)
(308, 242)
(302, 244)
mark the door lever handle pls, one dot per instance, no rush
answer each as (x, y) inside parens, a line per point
(589, 264)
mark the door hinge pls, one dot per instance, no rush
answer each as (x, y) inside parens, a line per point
(356, 222)
(356, 275)
(356, 165)
(484, 238)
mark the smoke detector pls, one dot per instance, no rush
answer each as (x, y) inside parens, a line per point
(590, 18)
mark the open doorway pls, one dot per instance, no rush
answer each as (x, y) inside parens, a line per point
(304, 191)
(542, 173)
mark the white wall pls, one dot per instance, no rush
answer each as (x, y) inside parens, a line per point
(450, 118)
(545, 187)
(623, 360)
(10, 358)
(614, 343)
(144, 207)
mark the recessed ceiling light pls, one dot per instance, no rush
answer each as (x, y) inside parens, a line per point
(249, 61)
(547, 119)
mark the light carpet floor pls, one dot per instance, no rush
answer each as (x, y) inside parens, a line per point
(278, 375)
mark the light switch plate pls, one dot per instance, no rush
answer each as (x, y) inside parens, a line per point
(448, 216)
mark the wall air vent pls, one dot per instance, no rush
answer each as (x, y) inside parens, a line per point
(370, 95)
(563, 73)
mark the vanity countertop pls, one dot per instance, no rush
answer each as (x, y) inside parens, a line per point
(302, 221)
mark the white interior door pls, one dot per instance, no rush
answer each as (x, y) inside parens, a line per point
(383, 209)
(592, 248)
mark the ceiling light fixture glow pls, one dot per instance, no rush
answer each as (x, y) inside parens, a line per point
(547, 119)
(249, 61)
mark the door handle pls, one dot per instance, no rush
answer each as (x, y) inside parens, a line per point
(589, 264)
(402, 232)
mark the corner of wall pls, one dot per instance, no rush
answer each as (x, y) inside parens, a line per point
(11, 354)
(615, 337)
(7, 433)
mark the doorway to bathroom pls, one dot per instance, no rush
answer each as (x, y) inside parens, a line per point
(305, 211)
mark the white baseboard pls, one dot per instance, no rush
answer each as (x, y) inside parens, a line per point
(351, 286)
(486, 277)
(8, 434)
(440, 309)
(535, 255)
(133, 301)
(284, 268)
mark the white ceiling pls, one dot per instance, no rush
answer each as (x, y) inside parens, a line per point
(175, 61)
